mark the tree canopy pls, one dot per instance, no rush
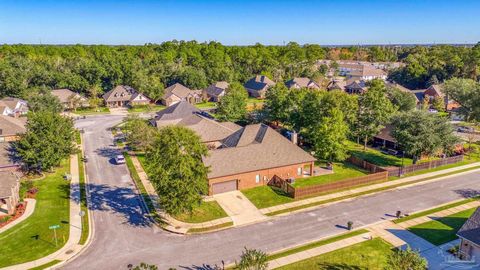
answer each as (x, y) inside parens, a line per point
(48, 140)
(422, 133)
(176, 169)
(467, 93)
(233, 105)
(406, 260)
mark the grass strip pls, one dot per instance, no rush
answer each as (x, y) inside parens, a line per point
(141, 188)
(434, 210)
(365, 193)
(83, 200)
(44, 266)
(316, 244)
(211, 228)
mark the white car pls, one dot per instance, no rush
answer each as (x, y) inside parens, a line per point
(120, 159)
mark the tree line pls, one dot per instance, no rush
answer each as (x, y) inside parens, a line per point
(92, 70)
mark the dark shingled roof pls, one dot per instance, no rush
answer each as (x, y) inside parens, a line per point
(176, 111)
(471, 229)
(258, 83)
(386, 134)
(252, 148)
(217, 88)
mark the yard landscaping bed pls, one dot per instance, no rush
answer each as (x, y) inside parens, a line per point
(371, 254)
(88, 111)
(444, 229)
(145, 108)
(32, 239)
(206, 105)
(206, 211)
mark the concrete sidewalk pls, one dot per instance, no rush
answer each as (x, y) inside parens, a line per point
(303, 255)
(28, 212)
(71, 248)
(239, 208)
(370, 188)
(172, 225)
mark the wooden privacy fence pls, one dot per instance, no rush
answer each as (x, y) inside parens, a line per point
(299, 192)
(399, 171)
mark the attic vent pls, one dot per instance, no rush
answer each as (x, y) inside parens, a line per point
(261, 133)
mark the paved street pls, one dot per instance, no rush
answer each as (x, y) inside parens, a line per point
(123, 236)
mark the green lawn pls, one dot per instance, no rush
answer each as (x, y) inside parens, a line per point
(32, 239)
(434, 210)
(206, 105)
(83, 200)
(145, 108)
(371, 254)
(443, 230)
(47, 265)
(376, 157)
(265, 196)
(206, 211)
(87, 111)
(341, 171)
(316, 244)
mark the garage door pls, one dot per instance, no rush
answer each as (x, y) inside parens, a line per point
(224, 186)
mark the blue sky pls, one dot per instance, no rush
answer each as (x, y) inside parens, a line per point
(240, 22)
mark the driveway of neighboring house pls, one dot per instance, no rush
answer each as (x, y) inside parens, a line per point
(239, 208)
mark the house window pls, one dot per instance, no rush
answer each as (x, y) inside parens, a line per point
(299, 171)
(257, 178)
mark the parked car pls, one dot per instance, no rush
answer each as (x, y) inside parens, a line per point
(119, 159)
(465, 129)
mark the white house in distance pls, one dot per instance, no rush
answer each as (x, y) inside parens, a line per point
(13, 106)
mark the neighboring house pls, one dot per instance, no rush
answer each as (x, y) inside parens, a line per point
(17, 106)
(469, 234)
(123, 95)
(211, 132)
(367, 73)
(297, 83)
(355, 86)
(5, 110)
(11, 127)
(384, 138)
(420, 95)
(403, 89)
(258, 86)
(178, 92)
(215, 91)
(251, 157)
(67, 98)
(7, 162)
(9, 192)
(435, 91)
(337, 84)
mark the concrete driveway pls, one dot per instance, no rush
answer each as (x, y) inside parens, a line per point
(122, 234)
(239, 208)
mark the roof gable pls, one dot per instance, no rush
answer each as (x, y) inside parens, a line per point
(471, 228)
(259, 83)
(178, 90)
(120, 93)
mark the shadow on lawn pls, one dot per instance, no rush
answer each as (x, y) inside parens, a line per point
(121, 200)
(338, 266)
(202, 267)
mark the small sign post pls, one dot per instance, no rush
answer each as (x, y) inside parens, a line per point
(54, 228)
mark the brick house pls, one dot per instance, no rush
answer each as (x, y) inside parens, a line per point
(9, 192)
(251, 156)
(435, 91)
(258, 86)
(469, 234)
(239, 157)
(123, 95)
(178, 92)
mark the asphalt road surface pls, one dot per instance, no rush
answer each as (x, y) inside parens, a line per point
(122, 235)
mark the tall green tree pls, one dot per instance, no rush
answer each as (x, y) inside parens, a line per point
(406, 260)
(45, 102)
(374, 111)
(233, 105)
(438, 103)
(139, 134)
(404, 101)
(422, 133)
(49, 139)
(176, 169)
(467, 93)
(277, 103)
(329, 135)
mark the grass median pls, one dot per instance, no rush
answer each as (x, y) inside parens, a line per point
(83, 200)
(32, 239)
